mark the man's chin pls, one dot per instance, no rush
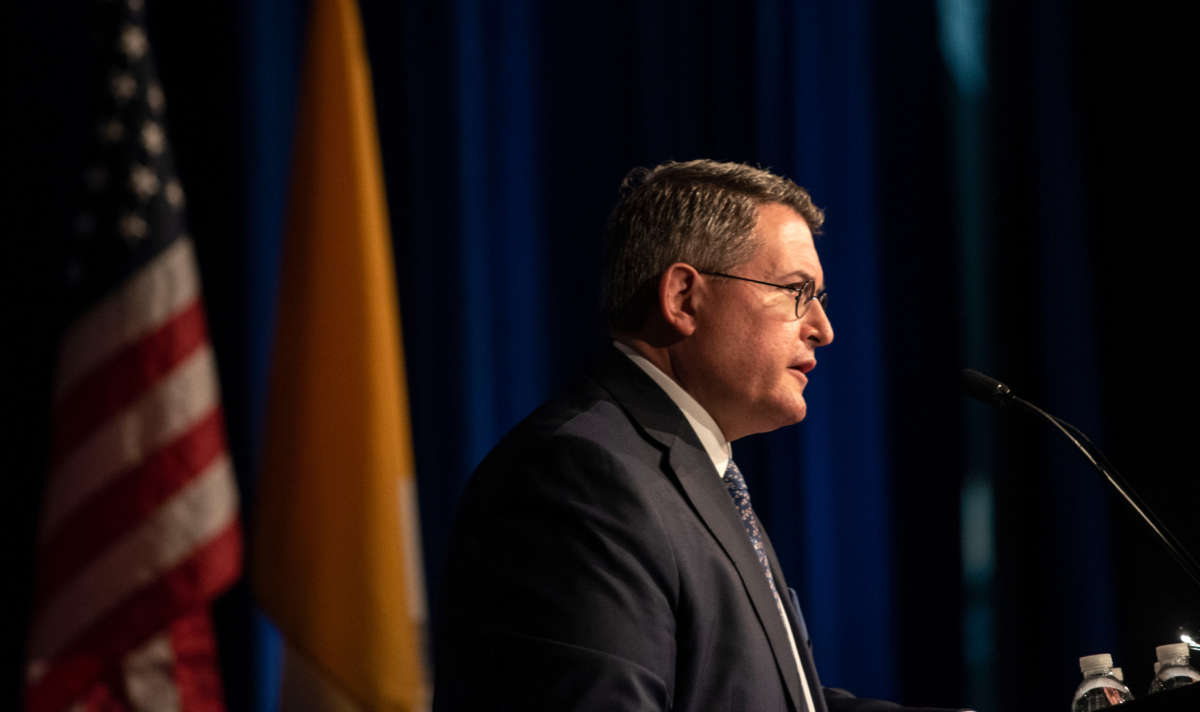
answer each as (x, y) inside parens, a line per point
(769, 415)
(792, 414)
(797, 410)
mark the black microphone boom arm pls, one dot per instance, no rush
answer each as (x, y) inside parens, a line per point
(995, 393)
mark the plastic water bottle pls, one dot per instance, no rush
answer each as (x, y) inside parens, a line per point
(1173, 669)
(1099, 689)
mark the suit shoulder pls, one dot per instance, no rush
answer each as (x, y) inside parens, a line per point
(584, 430)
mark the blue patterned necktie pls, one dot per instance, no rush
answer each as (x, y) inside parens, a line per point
(736, 485)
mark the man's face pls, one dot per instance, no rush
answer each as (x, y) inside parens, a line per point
(747, 360)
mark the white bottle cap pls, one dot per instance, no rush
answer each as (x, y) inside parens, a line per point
(1173, 651)
(1095, 663)
(1119, 674)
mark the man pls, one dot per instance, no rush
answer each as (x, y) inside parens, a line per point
(606, 555)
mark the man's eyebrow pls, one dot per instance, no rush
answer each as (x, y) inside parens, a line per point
(798, 276)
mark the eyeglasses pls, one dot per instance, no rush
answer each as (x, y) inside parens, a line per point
(804, 291)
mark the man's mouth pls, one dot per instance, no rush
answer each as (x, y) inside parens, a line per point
(800, 369)
(805, 366)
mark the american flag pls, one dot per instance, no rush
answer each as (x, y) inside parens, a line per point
(139, 527)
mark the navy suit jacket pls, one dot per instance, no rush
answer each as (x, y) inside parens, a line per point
(598, 563)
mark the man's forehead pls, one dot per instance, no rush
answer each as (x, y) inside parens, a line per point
(785, 245)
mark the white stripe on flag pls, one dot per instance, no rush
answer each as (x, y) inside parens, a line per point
(194, 516)
(185, 395)
(149, 672)
(149, 298)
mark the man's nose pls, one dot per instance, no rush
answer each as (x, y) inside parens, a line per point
(818, 328)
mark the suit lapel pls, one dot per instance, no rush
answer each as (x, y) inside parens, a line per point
(712, 503)
(662, 421)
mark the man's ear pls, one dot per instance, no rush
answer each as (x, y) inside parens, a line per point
(678, 297)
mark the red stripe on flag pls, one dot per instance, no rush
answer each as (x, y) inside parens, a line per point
(125, 376)
(182, 590)
(124, 504)
(195, 651)
(108, 695)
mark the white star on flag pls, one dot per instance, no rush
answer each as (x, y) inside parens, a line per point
(154, 97)
(133, 41)
(132, 227)
(152, 138)
(124, 86)
(143, 181)
(175, 194)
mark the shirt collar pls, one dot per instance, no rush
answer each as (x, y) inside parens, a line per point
(719, 450)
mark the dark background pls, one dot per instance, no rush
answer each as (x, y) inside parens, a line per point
(1008, 187)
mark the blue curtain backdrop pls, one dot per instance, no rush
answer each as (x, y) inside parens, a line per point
(983, 170)
(516, 138)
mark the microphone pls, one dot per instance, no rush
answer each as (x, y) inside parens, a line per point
(985, 388)
(988, 390)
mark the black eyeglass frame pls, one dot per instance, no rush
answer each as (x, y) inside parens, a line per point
(805, 293)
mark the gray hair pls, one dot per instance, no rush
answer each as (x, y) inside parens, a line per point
(700, 212)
